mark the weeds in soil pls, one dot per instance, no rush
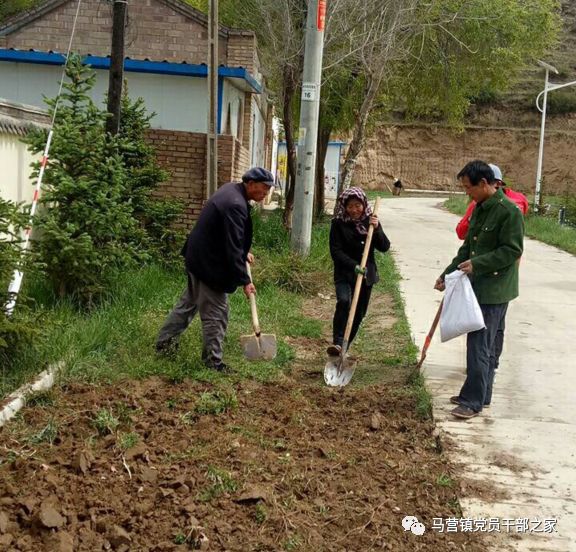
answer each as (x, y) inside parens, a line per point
(422, 395)
(454, 505)
(457, 204)
(171, 404)
(279, 444)
(222, 482)
(196, 453)
(127, 441)
(216, 402)
(105, 421)
(47, 434)
(180, 539)
(444, 480)
(123, 412)
(293, 543)
(188, 418)
(260, 513)
(41, 398)
(252, 435)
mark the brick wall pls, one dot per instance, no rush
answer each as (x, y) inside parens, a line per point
(247, 123)
(241, 161)
(233, 159)
(155, 31)
(226, 154)
(183, 154)
(242, 51)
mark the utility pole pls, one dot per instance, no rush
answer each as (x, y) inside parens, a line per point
(116, 75)
(212, 134)
(307, 140)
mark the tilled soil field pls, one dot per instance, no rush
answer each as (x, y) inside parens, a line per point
(156, 465)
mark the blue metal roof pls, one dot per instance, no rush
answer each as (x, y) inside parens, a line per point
(133, 65)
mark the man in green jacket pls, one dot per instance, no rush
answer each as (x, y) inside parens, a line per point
(489, 255)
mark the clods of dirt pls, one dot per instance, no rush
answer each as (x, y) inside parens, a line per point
(151, 466)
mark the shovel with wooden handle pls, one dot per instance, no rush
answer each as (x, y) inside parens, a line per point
(258, 346)
(338, 370)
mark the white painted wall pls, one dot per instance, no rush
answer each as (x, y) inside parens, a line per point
(232, 109)
(180, 103)
(258, 136)
(15, 182)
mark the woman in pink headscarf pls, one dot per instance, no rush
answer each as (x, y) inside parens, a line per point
(347, 238)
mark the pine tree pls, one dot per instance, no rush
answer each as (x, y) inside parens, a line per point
(88, 231)
(156, 216)
(15, 331)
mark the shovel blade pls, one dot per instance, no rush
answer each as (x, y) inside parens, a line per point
(259, 348)
(338, 371)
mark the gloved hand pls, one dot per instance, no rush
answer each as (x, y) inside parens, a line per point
(359, 270)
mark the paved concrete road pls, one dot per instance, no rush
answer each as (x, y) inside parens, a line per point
(525, 444)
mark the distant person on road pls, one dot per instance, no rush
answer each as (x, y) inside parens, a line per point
(216, 253)
(353, 216)
(397, 190)
(516, 197)
(489, 255)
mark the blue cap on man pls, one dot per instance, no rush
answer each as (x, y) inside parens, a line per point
(258, 174)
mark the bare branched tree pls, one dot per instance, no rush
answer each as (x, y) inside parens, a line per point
(378, 41)
(429, 57)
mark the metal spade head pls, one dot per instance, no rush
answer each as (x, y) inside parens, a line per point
(339, 371)
(259, 348)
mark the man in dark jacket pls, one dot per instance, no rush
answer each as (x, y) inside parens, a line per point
(489, 255)
(216, 253)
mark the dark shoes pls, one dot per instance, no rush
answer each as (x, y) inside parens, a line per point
(334, 350)
(168, 348)
(464, 412)
(219, 367)
(456, 400)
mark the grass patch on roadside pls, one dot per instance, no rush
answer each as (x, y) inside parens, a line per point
(541, 228)
(549, 231)
(385, 346)
(116, 339)
(457, 204)
(373, 194)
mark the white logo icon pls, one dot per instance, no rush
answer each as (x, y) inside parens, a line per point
(411, 523)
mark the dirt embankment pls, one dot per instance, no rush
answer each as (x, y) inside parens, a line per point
(428, 157)
(504, 132)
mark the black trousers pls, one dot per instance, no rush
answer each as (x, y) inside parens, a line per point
(483, 351)
(344, 292)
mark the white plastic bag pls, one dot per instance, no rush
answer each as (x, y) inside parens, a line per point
(461, 313)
